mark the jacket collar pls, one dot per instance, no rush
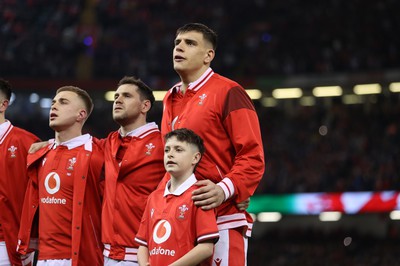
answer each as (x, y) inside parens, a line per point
(142, 131)
(196, 85)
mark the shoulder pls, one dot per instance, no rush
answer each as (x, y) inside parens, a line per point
(24, 133)
(224, 81)
(156, 194)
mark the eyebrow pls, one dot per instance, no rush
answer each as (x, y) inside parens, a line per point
(186, 40)
(60, 100)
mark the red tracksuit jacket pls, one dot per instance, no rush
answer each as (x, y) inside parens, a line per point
(220, 111)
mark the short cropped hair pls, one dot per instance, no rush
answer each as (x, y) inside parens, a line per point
(82, 94)
(5, 88)
(145, 91)
(188, 136)
(208, 34)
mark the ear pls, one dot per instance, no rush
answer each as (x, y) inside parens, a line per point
(82, 115)
(209, 56)
(196, 158)
(4, 106)
(146, 105)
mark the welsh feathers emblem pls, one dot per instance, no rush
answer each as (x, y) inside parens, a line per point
(149, 148)
(12, 150)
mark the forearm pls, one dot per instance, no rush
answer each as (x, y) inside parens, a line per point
(143, 256)
(199, 253)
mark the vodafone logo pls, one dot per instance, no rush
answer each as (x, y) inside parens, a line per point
(162, 231)
(52, 183)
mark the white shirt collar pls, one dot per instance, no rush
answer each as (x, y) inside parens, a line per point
(190, 181)
(76, 142)
(5, 128)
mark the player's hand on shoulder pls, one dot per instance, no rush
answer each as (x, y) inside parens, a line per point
(208, 195)
(37, 146)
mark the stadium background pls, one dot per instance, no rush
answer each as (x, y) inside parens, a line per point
(349, 142)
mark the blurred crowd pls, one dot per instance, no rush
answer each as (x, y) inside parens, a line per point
(332, 148)
(111, 38)
(315, 247)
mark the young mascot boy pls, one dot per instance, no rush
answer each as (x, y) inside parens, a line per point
(173, 230)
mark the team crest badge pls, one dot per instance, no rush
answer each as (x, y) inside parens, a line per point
(12, 151)
(202, 98)
(71, 163)
(149, 148)
(181, 212)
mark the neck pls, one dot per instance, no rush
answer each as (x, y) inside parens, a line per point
(2, 119)
(176, 181)
(65, 135)
(189, 77)
(125, 129)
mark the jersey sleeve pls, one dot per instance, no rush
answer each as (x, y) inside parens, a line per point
(241, 123)
(206, 226)
(142, 235)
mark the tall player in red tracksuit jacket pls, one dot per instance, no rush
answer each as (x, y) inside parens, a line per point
(221, 113)
(14, 145)
(63, 198)
(134, 167)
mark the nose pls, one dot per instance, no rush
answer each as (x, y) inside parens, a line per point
(117, 99)
(179, 47)
(53, 106)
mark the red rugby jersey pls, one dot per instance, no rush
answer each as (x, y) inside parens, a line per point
(14, 146)
(172, 225)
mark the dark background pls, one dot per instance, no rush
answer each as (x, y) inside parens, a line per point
(45, 44)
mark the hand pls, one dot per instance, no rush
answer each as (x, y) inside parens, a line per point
(242, 206)
(37, 146)
(208, 196)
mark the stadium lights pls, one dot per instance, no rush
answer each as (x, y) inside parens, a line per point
(287, 93)
(367, 89)
(159, 95)
(34, 98)
(109, 96)
(327, 91)
(330, 216)
(394, 87)
(45, 103)
(395, 215)
(352, 99)
(254, 94)
(269, 217)
(291, 93)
